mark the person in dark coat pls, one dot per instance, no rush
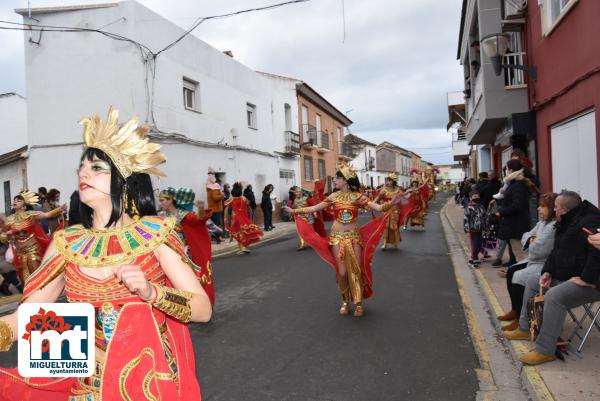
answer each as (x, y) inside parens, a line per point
(74, 209)
(267, 207)
(514, 212)
(249, 194)
(493, 186)
(571, 273)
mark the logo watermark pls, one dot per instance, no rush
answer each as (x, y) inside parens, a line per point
(56, 340)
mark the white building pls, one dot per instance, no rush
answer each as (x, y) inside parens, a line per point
(450, 173)
(13, 147)
(206, 108)
(365, 161)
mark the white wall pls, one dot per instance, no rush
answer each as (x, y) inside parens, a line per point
(13, 122)
(12, 173)
(74, 75)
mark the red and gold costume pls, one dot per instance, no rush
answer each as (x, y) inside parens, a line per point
(419, 198)
(143, 349)
(241, 227)
(392, 232)
(194, 234)
(346, 208)
(317, 197)
(147, 353)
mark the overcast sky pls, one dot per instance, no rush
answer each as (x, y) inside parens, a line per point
(393, 69)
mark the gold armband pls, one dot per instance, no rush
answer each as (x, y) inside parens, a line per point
(55, 212)
(173, 302)
(386, 206)
(302, 210)
(6, 336)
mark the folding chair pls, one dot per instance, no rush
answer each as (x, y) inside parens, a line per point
(591, 311)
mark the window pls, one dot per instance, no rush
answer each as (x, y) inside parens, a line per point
(304, 118)
(7, 198)
(318, 124)
(339, 134)
(308, 168)
(553, 12)
(191, 98)
(321, 169)
(288, 116)
(251, 115)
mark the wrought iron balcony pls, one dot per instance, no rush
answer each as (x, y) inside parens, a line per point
(345, 150)
(309, 136)
(292, 142)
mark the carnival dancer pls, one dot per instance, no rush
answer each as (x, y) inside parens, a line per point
(27, 236)
(131, 266)
(301, 200)
(349, 249)
(241, 227)
(417, 200)
(397, 214)
(193, 231)
(320, 217)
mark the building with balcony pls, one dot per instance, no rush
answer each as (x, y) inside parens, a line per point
(322, 144)
(365, 161)
(566, 94)
(496, 106)
(461, 150)
(203, 106)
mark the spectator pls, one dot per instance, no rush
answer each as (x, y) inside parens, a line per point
(473, 224)
(52, 202)
(482, 184)
(267, 207)
(74, 209)
(38, 207)
(214, 198)
(538, 242)
(514, 212)
(7, 270)
(571, 272)
(493, 186)
(249, 194)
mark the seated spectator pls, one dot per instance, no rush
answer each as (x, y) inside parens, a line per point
(539, 243)
(473, 222)
(571, 272)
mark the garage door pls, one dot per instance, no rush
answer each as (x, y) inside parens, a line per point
(574, 157)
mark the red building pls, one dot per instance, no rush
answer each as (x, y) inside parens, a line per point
(563, 42)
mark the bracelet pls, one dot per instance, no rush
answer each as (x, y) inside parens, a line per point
(55, 212)
(302, 210)
(173, 302)
(6, 336)
(386, 206)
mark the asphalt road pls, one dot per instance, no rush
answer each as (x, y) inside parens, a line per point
(276, 333)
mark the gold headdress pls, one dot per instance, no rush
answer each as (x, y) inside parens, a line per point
(30, 198)
(347, 170)
(127, 146)
(393, 176)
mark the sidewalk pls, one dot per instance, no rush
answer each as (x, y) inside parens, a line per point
(575, 379)
(11, 302)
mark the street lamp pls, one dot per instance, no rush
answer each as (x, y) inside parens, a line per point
(495, 47)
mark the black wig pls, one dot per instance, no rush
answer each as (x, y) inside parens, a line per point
(353, 182)
(137, 186)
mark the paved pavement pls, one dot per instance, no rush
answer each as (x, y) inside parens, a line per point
(574, 379)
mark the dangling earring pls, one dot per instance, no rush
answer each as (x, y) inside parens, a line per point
(130, 208)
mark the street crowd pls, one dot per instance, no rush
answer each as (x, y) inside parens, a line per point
(561, 241)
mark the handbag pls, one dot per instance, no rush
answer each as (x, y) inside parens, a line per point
(535, 313)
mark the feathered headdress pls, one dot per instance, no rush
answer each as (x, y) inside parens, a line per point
(393, 176)
(347, 170)
(30, 198)
(127, 146)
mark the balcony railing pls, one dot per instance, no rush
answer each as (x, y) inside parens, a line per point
(514, 78)
(292, 142)
(309, 136)
(514, 8)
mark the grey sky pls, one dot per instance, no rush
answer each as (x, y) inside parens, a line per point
(393, 69)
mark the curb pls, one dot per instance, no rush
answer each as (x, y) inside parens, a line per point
(530, 374)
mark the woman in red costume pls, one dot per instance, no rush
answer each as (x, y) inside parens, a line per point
(417, 199)
(349, 249)
(317, 197)
(193, 231)
(131, 266)
(27, 236)
(241, 227)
